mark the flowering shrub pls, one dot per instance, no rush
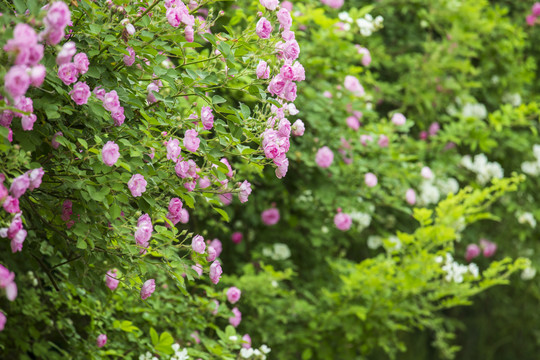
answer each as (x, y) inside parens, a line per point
(136, 135)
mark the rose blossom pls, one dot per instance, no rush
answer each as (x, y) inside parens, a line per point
(237, 318)
(101, 340)
(383, 141)
(233, 294)
(426, 173)
(110, 279)
(137, 185)
(410, 196)
(173, 149)
(370, 179)
(2, 321)
(197, 244)
(110, 153)
(17, 81)
(19, 185)
(324, 157)
(212, 254)
(216, 244)
(68, 73)
(270, 4)
(81, 63)
(191, 140)
(35, 176)
(11, 204)
(353, 123)
(353, 85)
(298, 128)
(472, 251)
(488, 247)
(148, 289)
(270, 216)
(129, 60)
(245, 190)
(237, 237)
(247, 341)
(80, 93)
(27, 121)
(284, 18)
(398, 119)
(263, 70)
(207, 117)
(263, 28)
(342, 221)
(215, 272)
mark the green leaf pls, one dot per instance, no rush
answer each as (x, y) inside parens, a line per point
(216, 99)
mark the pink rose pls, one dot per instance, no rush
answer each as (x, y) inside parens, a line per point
(233, 294)
(383, 141)
(366, 56)
(80, 93)
(245, 190)
(55, 144)
(336, 4)
(237, 318)
(58, 16)
(35, 176)
(129, 60)
(410, 196)
(370, 179)
(353, 85)
(111, 101)
(489, 248)
(37, 75)
(434, 129)
(100, 93)
(175, 206)
(536, 9)
(290, 50)
(137, 185)
(27, 121)
(263, 70)
(173, 150)
(426, 173)
(66, 53)
(101, 340)
(110, 153)
(191, 140)
(531, 20)
(270, 216)
(353, 123)
(247, 339)
(282, 169)
(263, 28)
(19, 185)
(215, 272)
(189, 34)
(17, 81)
(298, 128)
(2, 321)
(237, 237)
(284, 18)
(216, 244)
(270, 4)
(398, 119)
(212, 254)
(11, 204)
(277, 85)
(110, 279)
(207, 117)
(197, 244)
(324, 157)
(198, 269)
(342, 221)
(472, 251)
(148, 289)
(68, 73)
(299, 72)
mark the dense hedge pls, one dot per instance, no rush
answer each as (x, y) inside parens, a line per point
(250, 179)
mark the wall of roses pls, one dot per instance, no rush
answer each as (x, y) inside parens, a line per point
(264, 179)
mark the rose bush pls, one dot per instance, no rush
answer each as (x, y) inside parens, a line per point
(155, 205)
